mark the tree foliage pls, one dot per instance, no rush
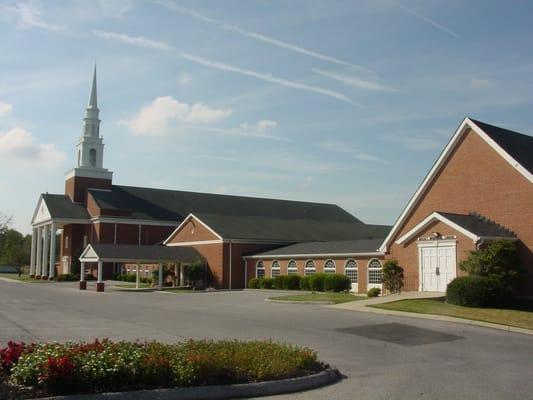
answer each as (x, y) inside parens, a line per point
(498, 260)
(392, 276)
(195, 273)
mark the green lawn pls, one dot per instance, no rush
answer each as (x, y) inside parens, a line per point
(22, 278)
(331, 297)
(127, 285)
(522, 318)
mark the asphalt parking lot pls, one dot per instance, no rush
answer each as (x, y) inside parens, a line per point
(382, 357)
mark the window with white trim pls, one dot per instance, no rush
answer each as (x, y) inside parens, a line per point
(329, 267)
(260, 269)
(276, 269)
(350, 269)
(310, 268)
(292, 268)
(374, 271)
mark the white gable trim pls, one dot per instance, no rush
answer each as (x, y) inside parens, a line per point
(467, 123)
(185, 221)
(89, 255)
(433, 217)
(41, 212)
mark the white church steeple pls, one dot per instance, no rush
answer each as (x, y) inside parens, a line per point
(90, 147)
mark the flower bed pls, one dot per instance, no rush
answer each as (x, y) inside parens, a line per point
(106, 366)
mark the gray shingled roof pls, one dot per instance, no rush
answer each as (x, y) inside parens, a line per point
(134, 253)
(517, 145)
(60, 206)
(325, 248)
(238, 217)
(478, 225)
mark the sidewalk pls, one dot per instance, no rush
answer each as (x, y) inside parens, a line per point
(361, 306)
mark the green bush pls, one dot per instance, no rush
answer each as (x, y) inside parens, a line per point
(392, 276)
(106, 366)
(266, 283)
(374, 292)
(253, 283)
(279, 282)
(477, 291)
(67, 278)
(337, 283)
(498, 260)
(292, 282)
(305, 283)
(316, 282)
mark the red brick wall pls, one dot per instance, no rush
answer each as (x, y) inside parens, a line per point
(76, 187)
(193, 231)
(477, 179)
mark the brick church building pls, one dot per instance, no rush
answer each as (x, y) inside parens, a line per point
(480, 189)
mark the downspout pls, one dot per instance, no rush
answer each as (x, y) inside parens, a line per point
(230, 260)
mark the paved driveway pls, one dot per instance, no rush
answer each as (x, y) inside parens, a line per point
(383, 357)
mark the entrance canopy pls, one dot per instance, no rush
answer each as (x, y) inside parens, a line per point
(125, 253)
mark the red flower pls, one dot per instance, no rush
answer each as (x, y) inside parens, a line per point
(10, 355)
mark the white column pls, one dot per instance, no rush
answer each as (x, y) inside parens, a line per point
(44, 271)
(160, 276)
(100, 267)
(82, 271)
(137, 277)
(182, 275)
(39, 258)
(52, 251)
(33, 251)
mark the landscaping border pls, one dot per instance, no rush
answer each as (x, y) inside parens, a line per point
(218, 392)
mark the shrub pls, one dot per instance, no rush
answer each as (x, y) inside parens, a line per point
(195, 273)
(67, 278)
(337, 283)
(279, 282)
(316, 282)
(305, 283)
(266, 283)
(104, 366)
(254, 283)
(374, 292)
(477, 291)
(292, 282)
(498, 260)
(392, 276)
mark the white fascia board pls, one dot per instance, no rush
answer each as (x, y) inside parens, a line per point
(433, 217)
(259, 256)
(88, 254)
(61, 221)
(184, 222)
(37, 209)
(129, 221)
(199, 242)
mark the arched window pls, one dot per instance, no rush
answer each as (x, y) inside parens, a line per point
(292, 269)
(350, 269)
(92, 157)
(260, 269)
(329, 267)
(276, 269)
(310, 268)
(374, 271)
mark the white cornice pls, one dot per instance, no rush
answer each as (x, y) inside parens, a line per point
(96, 173)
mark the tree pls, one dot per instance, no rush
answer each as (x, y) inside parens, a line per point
(498, 260)
(392, 276)
(195, 273)
(4, 223)
(14, 249)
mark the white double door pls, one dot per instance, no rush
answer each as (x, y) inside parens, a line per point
(437, 265)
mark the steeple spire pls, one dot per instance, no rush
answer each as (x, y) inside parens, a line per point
(93, 98)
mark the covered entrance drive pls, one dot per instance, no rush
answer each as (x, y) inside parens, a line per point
(437, 261)
(132, 254)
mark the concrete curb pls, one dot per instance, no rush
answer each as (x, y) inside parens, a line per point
(219, 392)
(445, 318)
(327, 303)
(11, 280)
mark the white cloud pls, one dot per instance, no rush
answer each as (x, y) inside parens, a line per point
(433, 139)
(256, 36)
(20, 145)
(140, 41)
(166, 115)
(262, 129)
(480, 83)
(267, 77)
(341, 147)
(5, 108)
(353, 81)
(28, 15)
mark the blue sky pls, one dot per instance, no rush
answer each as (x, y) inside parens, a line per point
(347, 102)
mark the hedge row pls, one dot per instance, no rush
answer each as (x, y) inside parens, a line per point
(477, 291)
(316, 282)
(103, 366)
(132, 278)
